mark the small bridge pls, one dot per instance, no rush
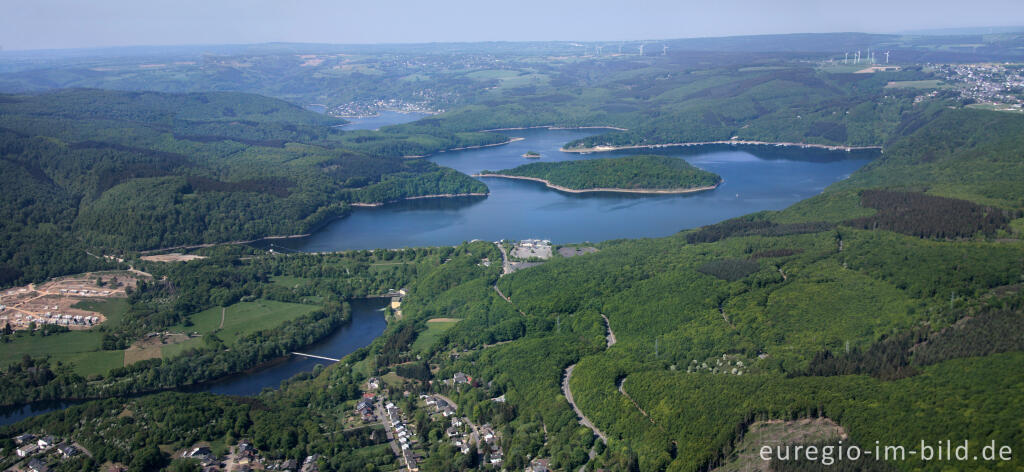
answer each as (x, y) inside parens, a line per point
(314, 356)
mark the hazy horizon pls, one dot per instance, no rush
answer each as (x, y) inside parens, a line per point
(68, 24)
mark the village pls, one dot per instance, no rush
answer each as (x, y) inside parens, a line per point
(999, 85)
(56, 302)
(40, 453)
(460, 431)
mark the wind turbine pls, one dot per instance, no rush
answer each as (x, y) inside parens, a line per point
(642, 49)
(886, 57)
(664, 50)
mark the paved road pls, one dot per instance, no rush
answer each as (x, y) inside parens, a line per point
(611, 334)
(506, 266)
(583, 418)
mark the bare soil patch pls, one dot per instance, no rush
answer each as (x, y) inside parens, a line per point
(53, 302)
(172, 257)
(776, 433)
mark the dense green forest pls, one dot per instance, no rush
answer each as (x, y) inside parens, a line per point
(108, 172)
(647, 172)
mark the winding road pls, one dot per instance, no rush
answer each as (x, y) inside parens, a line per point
(583, 418)
(610, 341)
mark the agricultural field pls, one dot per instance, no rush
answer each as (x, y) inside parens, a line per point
(436, 327)
(235, 321)
(917, 84)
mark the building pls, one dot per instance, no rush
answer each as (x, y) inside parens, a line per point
(47, 441)
(27, 450)
(36, 465)
(461, 378)
(199, 452)
(25, 438)
(67, 450)
(539, 465)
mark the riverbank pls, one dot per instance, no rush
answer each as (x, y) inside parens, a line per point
(668, 191)
(464, 148)
(730, 142)
(440, 195)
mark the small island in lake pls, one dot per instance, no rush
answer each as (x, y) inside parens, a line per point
(632, 174)
(532, 155)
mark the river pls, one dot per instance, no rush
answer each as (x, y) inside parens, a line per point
(367, 323)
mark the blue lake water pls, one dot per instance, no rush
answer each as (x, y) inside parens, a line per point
(755, 178)
(385, 118)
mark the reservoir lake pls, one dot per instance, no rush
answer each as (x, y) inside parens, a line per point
(756, 178)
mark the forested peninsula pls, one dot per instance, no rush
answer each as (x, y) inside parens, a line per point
(632, 174)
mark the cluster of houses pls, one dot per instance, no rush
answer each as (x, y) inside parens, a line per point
(291, 465)
(244, 458)
(403, 434)
(22, 320)
(488, 442)
(84, 292)
(36, 448)
(490, 445)
(441, 405)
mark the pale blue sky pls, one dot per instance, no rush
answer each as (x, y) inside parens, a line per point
(39, 24)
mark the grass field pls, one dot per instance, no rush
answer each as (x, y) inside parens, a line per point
(81, 348)
(917, 84)
(435, 328)
(991, 107)
(239, 319)
(392, 379)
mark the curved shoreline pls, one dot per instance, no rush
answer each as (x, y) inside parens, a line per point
(553, 127)
(440, 195)
(729, 141)
(668, 191)
(510, 140)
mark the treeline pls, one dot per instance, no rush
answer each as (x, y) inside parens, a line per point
(926, 216)
(752, 226)
(632, 172)
(992, 331)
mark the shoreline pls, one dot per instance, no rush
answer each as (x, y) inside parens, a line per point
(730, 142)
(464, 148)
(553, 127)
(670, 191)
(421, 197)
(197, 246)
